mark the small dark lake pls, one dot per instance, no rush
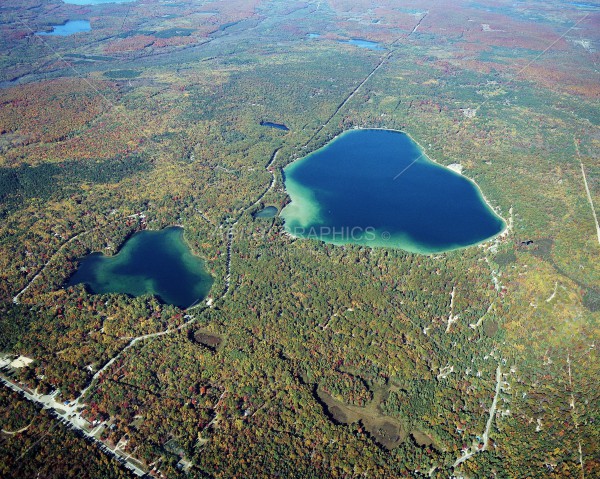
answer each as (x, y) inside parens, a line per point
(270, 124)
(267, 212)
(150, 262)
(377, 188)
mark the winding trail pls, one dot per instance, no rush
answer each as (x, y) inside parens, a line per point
(486, 434)
(417, 25)
(589, 195)
(205, 218)
(13, 433)
(451, 318)
(132, 343)
(480, 320)
(269, 188)
(587, 190)
(574, 416)
(551, 297)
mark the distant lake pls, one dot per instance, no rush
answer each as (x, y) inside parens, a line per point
(377, 188)
(150, 262)
(266, 212)
(68, 28)
(270, 124)
(357, 42)
(589, 6)
(95, 2)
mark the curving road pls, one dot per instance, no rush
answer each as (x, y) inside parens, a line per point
(486, 434)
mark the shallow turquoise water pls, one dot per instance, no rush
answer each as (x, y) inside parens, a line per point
(377, 188)
(150, 262)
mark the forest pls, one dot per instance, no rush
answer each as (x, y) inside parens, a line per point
(306, 359)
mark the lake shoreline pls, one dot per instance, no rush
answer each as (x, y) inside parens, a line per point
(384, 242)
(174, 274)
(479, 190)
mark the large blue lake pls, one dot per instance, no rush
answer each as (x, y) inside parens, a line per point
(377, 188)
(150, 262)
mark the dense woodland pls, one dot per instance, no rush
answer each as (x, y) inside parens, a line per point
(34, 444)
(313, 360)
